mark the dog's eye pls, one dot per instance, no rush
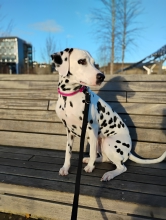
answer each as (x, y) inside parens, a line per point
(82, 61)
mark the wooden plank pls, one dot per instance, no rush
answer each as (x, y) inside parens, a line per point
(112, 96)
(28, 94)
(116, 77)
(61, 154)
(146, 97)
(29, 77)
(134, 176)
(148, 135)
(106, 86)
(32, 126)
(144, 121)
(130, 108)
(136, 78)
(100, 197)
(46, 209)
(15, 156)
(130, 186)
(28, 85)
(148, 150)
(132, 86)
(28, 115)
(139, 108)
(23, 104)
(58, 142)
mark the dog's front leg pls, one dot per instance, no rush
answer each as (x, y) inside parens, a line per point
(93, 149)
(64, 170)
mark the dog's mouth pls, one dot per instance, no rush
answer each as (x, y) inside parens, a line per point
(83, 83)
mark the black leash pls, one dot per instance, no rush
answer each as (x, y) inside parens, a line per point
(79, 169)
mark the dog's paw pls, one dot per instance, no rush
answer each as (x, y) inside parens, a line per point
(89, 169)
(63, 171)
(86, 160)
(107, 176)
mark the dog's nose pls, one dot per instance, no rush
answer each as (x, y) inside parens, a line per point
(99, 78)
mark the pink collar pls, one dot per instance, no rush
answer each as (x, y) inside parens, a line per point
(72, 93)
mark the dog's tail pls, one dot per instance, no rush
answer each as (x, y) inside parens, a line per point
(147, 161)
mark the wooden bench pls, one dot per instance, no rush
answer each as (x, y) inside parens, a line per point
(32, 144)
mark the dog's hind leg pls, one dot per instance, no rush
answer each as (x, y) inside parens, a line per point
(116, 156)
(120, 168)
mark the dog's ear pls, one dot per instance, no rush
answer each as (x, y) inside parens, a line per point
(61, 61)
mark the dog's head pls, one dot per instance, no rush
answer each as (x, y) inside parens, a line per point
(80, 64)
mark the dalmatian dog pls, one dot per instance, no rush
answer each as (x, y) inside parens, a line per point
(108, 135)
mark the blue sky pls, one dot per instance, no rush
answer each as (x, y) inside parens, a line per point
(69, 21)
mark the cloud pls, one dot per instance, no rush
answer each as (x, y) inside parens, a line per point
(88, 18)
(69, 36)
(47, 26)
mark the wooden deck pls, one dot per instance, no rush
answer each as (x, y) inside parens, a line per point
(32, 144)
(38, 189)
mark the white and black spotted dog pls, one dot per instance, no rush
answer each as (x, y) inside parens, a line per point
(107, 133)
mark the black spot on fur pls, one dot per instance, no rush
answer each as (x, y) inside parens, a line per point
(121, 152)
(74, 126)
(80, 118)
(118, 141)
(115, 146)
(66, 59)
(83, 101)
(126, 145)
(71, 104)
(89, 128)
(104, 124)
(61, 53)
(122, 124)
(115, 118)
(100, 107)
(108, 113)
(69, 74)
(101, 116)
(119, 126)
(66, 81)
(64, 98)
(60, 106)
(91, 121)
(64, 122)
(118, 150)
(99, 132)
(110, 121)
(112, 126)
(106, 131)
(63, 86)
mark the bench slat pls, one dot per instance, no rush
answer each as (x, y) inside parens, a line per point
(55, 77)
(58, 142)
(28, 94)
(24, 104)
(146, 97)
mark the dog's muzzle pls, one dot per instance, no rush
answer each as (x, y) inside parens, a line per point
(99, 78)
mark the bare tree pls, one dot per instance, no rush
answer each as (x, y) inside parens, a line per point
(49, 48)
(115, 28)
(5, 31)
(128, 12)
(104, 23)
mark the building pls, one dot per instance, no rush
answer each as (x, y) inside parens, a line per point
(15, 55)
